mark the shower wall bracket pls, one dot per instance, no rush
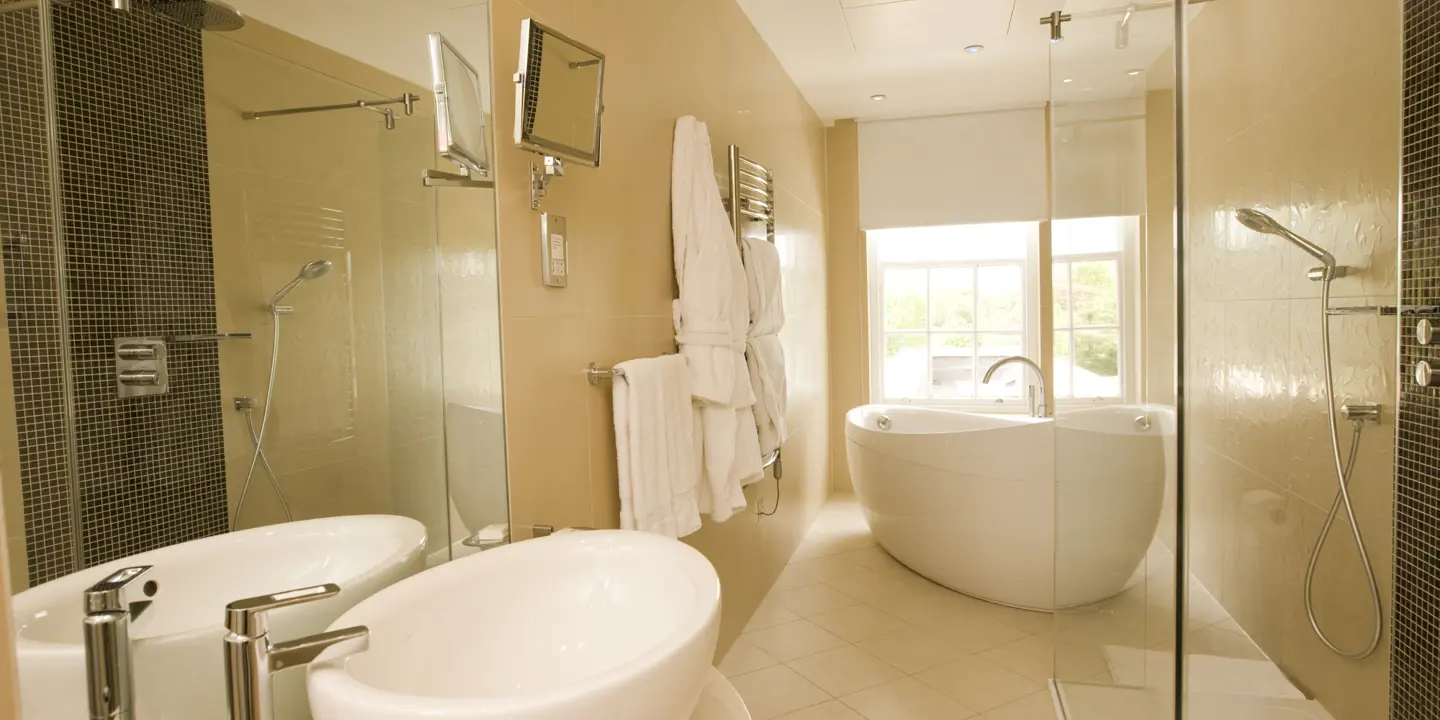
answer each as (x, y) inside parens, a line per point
(407, 100)
(141, 367)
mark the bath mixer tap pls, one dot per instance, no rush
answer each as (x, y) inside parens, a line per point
(109, 673)
(1040, 409)
(250, 657)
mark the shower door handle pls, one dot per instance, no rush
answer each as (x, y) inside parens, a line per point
(1425, 376)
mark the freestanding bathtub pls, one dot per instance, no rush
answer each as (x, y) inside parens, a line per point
(1033, 513)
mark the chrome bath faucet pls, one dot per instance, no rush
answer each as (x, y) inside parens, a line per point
(1037, 409)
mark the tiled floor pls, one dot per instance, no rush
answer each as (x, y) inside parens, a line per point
(848, 633)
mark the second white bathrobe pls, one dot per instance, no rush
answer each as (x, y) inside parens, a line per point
(712, 318)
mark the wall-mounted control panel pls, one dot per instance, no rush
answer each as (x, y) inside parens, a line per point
(140, 367)
(554, 251)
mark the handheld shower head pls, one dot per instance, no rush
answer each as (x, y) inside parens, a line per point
(311, 271)
(1262, 223)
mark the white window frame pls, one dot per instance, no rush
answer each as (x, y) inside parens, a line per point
(1029, 338)
(1036, 300)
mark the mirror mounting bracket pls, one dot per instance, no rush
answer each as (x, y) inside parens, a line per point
(540, 177)
(463, 179)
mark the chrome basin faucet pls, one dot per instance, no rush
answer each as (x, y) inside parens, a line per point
(109, 675)
(250, 657)
(1037, 409)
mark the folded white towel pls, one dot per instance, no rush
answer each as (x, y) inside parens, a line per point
(655, 447)
(765, 355)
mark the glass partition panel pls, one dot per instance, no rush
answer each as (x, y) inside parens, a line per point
(1110, 253)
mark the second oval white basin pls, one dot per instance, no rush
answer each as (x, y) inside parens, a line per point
(177, 642)
(603, 625)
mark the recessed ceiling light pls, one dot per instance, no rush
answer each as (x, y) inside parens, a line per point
(877, 97)
(1068, 80)
(1133, 73)
(972, 49)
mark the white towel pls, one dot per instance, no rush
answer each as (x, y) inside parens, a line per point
(765, 355)
(712, 319)
(655, 447)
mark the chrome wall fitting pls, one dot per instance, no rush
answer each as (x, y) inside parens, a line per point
(1424, 331)
(109, 674)
(540, 177)
(1056, 20)
(250, 657)
(140, 367)
(1361, 412)
(378, 106)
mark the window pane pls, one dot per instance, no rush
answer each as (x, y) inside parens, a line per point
(962, 243)
(1002, 297)
(904, 368)
(1064, 370)
(1009, 381)
(952, 299)
(1097, 292)
(1061, 279)
(1090, 235)
(952, 365)
(904, 299)
(1097, 363)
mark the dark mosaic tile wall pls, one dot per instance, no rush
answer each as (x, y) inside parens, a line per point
(1415, 651)
(136, 211)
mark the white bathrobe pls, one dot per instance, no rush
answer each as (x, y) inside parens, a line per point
(712, 319)
(764, 353)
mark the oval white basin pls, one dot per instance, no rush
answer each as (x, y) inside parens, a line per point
(179, 662)
(603, 625)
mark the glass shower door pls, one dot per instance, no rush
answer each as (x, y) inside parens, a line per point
(1107, 260)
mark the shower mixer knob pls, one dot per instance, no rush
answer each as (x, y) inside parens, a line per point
(1424, 332)
(1425, 376)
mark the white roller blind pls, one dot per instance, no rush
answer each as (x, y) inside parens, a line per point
(953, 170)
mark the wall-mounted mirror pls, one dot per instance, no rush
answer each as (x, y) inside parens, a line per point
(459, 110)
(558, 96)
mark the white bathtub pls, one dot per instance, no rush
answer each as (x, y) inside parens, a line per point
(977, 503)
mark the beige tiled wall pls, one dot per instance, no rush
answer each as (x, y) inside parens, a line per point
(1294, 109)
(665, 59)
(357, 418)
(848, 294)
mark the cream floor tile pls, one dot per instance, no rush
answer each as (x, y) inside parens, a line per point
(977, 683)
(769, 614)
(814, 599)
(1033, 657)
(1039, 706)
(775, 691)
(791, 578)
(857, 623)
(906, 699)
(974, 633)
(845, 670)
(794, 640)
(911, 649)
(744, 657)
(833, 710)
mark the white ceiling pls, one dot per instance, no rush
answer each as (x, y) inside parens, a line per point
(840, 52)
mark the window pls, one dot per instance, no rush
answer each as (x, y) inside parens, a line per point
(954, 300)
(1090, 318)
(948, 302)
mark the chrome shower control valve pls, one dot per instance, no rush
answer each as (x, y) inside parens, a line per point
(1424, 331)
(1425, 376)
(1361, 412)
